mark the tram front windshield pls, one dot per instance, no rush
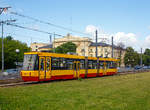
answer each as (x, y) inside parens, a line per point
(30, 62)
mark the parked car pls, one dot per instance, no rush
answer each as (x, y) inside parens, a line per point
(148, 67)
(145, 67)
(11, 71)
(137, 67)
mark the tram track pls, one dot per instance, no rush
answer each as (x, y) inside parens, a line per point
(16, 84)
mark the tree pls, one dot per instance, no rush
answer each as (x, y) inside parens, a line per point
(10, 46)
(131, 57)
(147, 52)
(146, 57)
(66, 47)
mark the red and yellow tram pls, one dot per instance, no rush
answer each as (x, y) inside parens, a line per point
(43, 66)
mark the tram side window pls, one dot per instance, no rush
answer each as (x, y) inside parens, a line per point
(36, 64)
(69, 64)
(89, 64)
(114, 64)
(62, 63)
(108, 64)
(94, 65)
(111, 65)
(55, 63)
(82, 64)
(101, 64)
(42, 64)
(58, 64)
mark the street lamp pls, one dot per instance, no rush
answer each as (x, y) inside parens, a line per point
(17, 51)
(130, 61)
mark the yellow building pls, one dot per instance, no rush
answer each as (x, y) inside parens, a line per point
(82, 43)
(41, 46)
(85, 47)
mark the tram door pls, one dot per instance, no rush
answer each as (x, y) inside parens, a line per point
(76, 69)
(41, 67)
(48, 68)
(105, 69)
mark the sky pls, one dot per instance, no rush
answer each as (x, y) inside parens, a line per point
(128, 21)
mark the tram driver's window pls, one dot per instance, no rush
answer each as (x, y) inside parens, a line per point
(42, 64)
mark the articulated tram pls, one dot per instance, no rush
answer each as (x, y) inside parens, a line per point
(43, 66)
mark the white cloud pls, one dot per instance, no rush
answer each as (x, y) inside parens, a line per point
(129, 39)
(91, 29)
(147, 42)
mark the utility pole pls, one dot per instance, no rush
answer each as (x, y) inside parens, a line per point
(84, 47)
(54, 42)
(2, 23)
(96, 43)
(112, 54)
(31, 40)
(4, 9)
(50, 39)
(141, 59)
(2, 50)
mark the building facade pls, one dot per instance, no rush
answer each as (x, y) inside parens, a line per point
(40, 47)
(85, 47)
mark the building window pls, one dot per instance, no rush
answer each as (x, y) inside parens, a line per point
(91, 51)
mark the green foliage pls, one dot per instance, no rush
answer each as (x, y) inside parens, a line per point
(10, 55)
(124, 92)
(131, 57)
(80, 79)
(146, 60)
(147, 52)
(146, 57)
(66, 47)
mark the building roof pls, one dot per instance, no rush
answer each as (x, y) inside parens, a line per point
(73, 39)
(99, 44)
(104, 45)
(47, 46)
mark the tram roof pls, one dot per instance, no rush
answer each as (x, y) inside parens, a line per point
(69, 56)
